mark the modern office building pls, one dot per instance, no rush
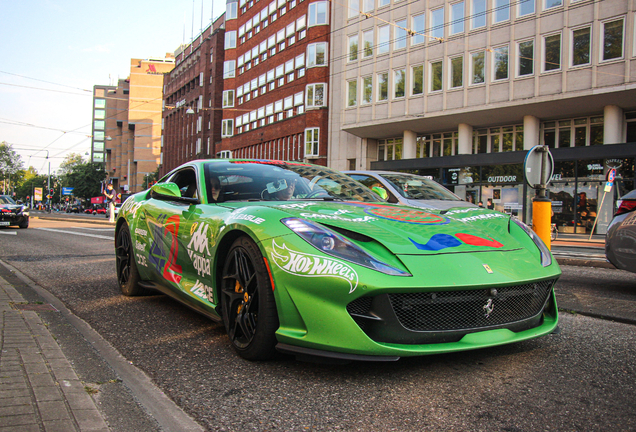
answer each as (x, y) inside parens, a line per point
(193, 93)
(276, 74)
(131, 125)
(460, 90)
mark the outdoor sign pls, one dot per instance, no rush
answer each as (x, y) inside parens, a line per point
(98, 200)
(37, 194)
(67, 191)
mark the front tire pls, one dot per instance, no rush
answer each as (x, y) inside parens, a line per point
(24, 224)
(127, 273)
(249, 308)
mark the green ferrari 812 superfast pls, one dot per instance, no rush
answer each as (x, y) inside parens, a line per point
(302, 259)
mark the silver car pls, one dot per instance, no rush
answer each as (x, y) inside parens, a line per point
(409, 189)
(620, 241)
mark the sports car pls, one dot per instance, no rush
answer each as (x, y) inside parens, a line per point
(302, 259)
(12, 213)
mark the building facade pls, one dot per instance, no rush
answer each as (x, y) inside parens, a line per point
(276, 74)
(460, 90)
(132, 123)
(192, 100)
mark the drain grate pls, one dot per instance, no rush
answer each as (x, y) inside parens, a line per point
(34, 307)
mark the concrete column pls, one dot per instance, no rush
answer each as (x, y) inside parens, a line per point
(531, 132)
(612, 125)
(464, 139)
(409, 145)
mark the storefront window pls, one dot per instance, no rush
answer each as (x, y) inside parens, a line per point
(480, 142)
(422, 148)
(578, 132)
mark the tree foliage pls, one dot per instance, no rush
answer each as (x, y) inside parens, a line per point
(86, 179)
(10, 162)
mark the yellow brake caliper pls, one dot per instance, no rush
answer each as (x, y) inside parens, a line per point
(238, 289)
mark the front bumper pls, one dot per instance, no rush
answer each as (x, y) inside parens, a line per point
(12, 220)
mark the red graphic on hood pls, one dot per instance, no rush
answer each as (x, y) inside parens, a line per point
(477, 241)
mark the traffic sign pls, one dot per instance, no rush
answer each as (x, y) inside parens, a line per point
(67, 191)
(538, 166)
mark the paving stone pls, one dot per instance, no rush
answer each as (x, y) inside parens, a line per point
(14, 401)
(36, 368)
(90, 420)
(59, 426)
(14, 393)
(79, 401)
(49, 393)
(40, 380)
(53, 410)
(18, 420)
(23, 428)
(16, 409)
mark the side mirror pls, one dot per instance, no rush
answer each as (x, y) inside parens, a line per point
(380, 191)
(166, 189)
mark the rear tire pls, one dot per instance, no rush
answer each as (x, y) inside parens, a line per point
(249, 308)
(127, 273)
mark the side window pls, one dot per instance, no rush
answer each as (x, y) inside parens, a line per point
(186, 179)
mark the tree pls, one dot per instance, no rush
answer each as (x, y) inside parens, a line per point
(86, 179)
(150, 179)
(10, 164)
(71, 161)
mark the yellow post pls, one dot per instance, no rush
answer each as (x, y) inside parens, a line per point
(542, 219)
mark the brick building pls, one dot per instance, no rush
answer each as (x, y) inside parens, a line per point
(276, 72)
(192, 100)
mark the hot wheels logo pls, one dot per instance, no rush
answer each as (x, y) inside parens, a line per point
(309, 265)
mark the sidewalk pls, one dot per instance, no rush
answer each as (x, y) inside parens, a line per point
(39, 389)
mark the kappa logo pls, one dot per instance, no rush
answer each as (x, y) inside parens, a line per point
(309, 265)
(199, 240)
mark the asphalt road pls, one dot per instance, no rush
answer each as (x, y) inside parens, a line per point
(583, 378)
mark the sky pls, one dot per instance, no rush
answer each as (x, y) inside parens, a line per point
(55, 51)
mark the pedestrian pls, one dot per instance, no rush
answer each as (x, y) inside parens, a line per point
(481, 204)
(490, 204)
(110, 200)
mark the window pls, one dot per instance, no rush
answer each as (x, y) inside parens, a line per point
(312, 140)
(100, 103)
(383, 86)
(525, 51)
(418, 26)
(437, 23)
(400, 35)
(501, 11)
(399, 83)
(457, 72)
(526, 7)
(315, 95)
(99, 114)
(318, 13)
(478, 17)
(367, 90)
(383, 3)
(478, 63)
(368, 5)
(227, 128)
(417, 78)
(229, 69)
(457, 18)
(231, 11)
(552, 52)
(230, 39)
(367, 41)
(612, 40)
(352, 93)
(317, 54)
(99, 124)
(383, 39)
(436, 76)
(500, 63)
(354, 8)
(228, 99)
(581, 46)
(353, 48)
(549, 4)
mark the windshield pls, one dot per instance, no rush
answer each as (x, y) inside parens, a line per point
(419, 188)
(5, 199)
(280, 181)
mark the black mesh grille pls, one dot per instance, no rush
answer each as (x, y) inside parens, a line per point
(473, 309)
(360, 306)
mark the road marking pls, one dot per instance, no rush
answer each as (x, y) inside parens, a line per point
(94, 229)
(75, 233)
(9, 233)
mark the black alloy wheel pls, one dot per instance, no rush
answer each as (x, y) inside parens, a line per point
(249, 309)
(127, 273)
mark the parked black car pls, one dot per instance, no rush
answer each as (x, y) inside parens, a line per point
(74, 208)
(12, 213)
(620, 241)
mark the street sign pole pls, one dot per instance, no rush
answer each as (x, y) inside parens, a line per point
(611, 175)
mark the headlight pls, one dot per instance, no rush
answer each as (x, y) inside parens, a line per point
(334, 244)
(546, 256)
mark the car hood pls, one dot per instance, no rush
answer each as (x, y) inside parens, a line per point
(402, 230)
(11, 207)
(437, 204)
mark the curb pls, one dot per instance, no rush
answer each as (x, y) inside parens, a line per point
(585, 263)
